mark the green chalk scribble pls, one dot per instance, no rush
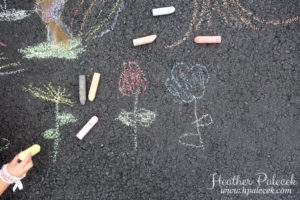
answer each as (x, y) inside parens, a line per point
(51, 50)
(57, 96)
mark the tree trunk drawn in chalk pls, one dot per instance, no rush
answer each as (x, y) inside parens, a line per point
(231, 11)
(4, 144)
(12, 14)
(133, 82)
(188, 84)
(58, 96)
(67, 43)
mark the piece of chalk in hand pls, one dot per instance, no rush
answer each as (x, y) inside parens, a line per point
(144, 40)
(91, 123)
(94, 86)
(207, 39)
(163, 11)
(34, 149)
(82, 89)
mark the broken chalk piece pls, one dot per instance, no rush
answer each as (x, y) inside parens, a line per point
(91, 123)
(207, 39)
(82, 89)
(94, 86)
(163, 11)
(144, 40)
(34, 149)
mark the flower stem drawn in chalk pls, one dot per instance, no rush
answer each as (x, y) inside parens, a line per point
(231, 11)
(188, 83)
(4, 144)
(12, 14)
(58, 96)
(133, 82)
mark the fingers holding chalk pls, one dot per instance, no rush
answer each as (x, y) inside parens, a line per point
(34, 149)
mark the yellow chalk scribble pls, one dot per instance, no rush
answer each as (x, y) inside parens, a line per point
(114, 9)
(85, 17)
(15, 64)
(58, 95)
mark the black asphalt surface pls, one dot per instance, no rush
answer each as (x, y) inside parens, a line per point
(252, 96)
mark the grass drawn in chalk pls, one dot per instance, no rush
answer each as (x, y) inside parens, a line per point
(57, 96)
(50, 50)
(4, 144)
(133, 82)
(232, 12)
(189, 84)
(12, 14)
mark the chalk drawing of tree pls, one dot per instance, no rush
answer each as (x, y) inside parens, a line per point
(232, 13)
(57, 96)
(189, 84)
(133, 82)
(66, 43)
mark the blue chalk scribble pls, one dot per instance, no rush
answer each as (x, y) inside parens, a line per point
(188, 83)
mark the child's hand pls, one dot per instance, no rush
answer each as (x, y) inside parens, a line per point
(17, 169)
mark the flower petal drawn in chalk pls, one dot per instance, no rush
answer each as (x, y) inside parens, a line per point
(142, 116)
(188, 83)
(132, 80)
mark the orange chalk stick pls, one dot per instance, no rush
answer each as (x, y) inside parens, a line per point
(207, 39)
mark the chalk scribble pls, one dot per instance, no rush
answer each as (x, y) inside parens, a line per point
(133, 82)
(189, 84)
(231, 11)
(12, 14)
(4, 144)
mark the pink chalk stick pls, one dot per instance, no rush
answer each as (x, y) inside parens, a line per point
(91, 123)
(2, 44)
(207, 39)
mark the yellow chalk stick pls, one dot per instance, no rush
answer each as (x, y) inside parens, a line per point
(34, 149)
(94, 86)
(144, 40)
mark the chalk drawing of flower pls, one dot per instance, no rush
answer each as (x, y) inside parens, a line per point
(57, 96)
(189, 84)
(133, 82)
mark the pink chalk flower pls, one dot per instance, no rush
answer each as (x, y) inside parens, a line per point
(132, 80)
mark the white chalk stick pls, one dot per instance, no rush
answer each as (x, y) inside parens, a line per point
(82, 89)
(91, 123)
(144, 40)
(163, 11)
(94, 86)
